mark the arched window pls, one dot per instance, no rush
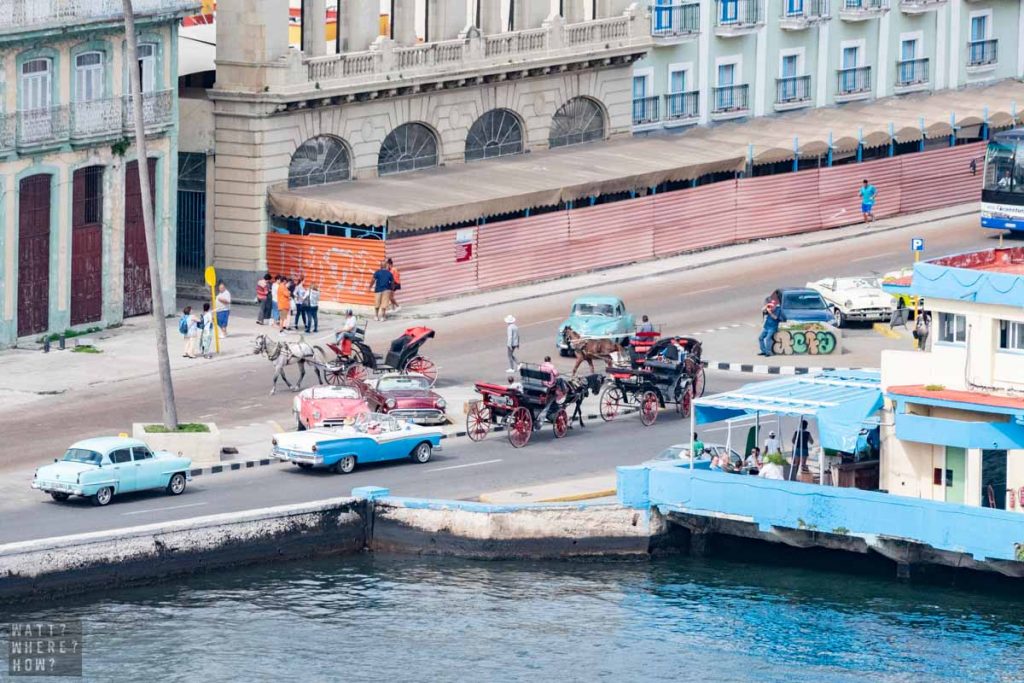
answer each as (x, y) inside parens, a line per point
(89, 77)
(319, 160)
(36, 84)
(578, 120)
(409, 147)
(495, 134)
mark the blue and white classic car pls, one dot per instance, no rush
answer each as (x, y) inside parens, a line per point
(372, 437)
(596, 315)
(99, 468)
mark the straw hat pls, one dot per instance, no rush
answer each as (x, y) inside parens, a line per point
(509, 319)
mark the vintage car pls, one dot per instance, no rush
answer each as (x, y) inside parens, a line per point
(678, 455)
(372, 437)
(597, 316)
(799, 305)
(328, 406)
(855, 299)
(409, 396)
(101, 467)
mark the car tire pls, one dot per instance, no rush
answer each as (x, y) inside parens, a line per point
(838, 319)
(58, 496)
(176, 484)
(422, 452)
(564, 353)
(103, 496)
(346, 465)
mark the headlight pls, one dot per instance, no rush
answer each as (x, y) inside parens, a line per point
(314, 448)
(441, 403)
(390, 403)
(848, 303)
(273, 442)
(316, 414)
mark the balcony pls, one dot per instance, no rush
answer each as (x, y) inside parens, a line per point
(676, 23)
(792, 92)
(682, 108)
(38, 128)
(982, 55)
(738, 17)
(95, 120)
(920, 6)
(798, 15)
(157, 111)
(730, 102)
(853, 84)
(20, 16)
(862, 10)
(911, 75)
(645, 111)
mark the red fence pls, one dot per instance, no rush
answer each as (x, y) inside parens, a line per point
(576, 240)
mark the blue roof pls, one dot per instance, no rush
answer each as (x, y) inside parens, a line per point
(842, 402)
(596, 299)
(105, 444)
(970, 277)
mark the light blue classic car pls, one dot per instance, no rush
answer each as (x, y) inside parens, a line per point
(99, 468)
(373, 437)
(597, 316)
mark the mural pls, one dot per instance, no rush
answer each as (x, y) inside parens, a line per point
(340, 266)
(810, 342)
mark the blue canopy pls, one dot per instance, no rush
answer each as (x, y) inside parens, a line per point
(841, 401)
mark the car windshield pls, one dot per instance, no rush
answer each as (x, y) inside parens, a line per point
(803, 301)
(605, 310)
(858, 283)
(82, 455)
(340, 392)
(400, 383)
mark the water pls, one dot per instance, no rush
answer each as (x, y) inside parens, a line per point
(399, 619)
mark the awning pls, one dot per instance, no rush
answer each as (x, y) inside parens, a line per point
(842, 403)
(197, 49)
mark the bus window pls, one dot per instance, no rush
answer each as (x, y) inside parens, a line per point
(1000, 168)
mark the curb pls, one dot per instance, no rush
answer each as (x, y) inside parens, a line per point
(886, 331)
(606, 493)
(776, 369)
(232, 466)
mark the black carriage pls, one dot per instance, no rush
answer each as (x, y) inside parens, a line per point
(687, 350)
(355, 358)
(521, 409)
(654, 384)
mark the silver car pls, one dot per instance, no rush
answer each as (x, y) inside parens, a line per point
(679, 454)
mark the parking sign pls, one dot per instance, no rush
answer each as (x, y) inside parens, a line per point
(916, 244)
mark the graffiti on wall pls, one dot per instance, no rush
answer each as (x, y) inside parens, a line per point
(804, 342)
(340, 266)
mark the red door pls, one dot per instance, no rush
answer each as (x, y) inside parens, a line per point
(34, 255)
(137, 297)
(87, 246)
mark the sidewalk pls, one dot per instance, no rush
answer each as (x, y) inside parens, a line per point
(588, 488)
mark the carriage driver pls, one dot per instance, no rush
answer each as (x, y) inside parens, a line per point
(348, 327)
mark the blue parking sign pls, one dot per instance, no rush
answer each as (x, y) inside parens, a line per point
(916, 244)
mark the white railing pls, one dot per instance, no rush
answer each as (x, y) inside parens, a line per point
(96, 118)
(157, 109)
(599, 31)
(24, 15)
(42, 126)
(517, 42)
(430, 54)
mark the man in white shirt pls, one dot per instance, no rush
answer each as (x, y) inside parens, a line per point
(772, 444)
(348, 327)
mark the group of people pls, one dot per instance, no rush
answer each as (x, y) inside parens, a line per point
(288, 302)
(197, 330)
(755, 461)
(385, 283)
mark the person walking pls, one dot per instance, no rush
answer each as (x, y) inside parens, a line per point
(284, 305)
(511, 342)
(293, 309)
(868, 193)
(206, 332)
(802, 441)
(189, 327)
(313, 309)
(397, 284)
(274, 313)
(922, 328)
(223, 308)
(381, 284)
(771, 326)
(300, 304)
(262, 299)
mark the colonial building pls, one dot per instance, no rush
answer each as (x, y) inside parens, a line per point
(71, 232)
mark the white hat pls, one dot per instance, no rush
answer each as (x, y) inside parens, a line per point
(510, 319)
(771, 433)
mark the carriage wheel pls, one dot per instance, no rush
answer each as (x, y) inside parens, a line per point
(611, 402)
(560, 423)
(520, 427)
(478, 421)
(356, 371)
(334, 376)
(423, 366)
(684, 403)
(698, 382)
(648, 408)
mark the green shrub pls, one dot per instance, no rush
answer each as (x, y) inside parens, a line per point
(183, 427)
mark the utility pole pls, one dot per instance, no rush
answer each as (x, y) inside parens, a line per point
(163, 360)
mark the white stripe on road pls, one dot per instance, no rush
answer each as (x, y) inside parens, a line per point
(875, 256)
(709, 289)
(459, 467)
(172, 507)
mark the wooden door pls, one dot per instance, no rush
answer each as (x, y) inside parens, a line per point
(87, 246)
(137, 293)
(34, 255)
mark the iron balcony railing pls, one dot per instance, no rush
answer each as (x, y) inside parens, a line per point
(157, 109)
(96, 118)
(7, 132)
(865, 4)
(805, 9)
(22, 15)
(982, 52)
(645, 110)
(42, 126)
(682, 105)
(792, 89)
(912, 71)
(731, 98)
(738, 13)
(854, 80)
(675, 20)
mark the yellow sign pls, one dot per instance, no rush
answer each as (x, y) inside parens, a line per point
(211, 281)
(210, 276)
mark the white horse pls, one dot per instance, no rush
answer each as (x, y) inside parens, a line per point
(282, 353)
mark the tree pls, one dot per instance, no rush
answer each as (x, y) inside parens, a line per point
(170, 411)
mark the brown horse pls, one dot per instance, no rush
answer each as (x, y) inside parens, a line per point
(589, 350)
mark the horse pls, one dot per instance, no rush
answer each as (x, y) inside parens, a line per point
(589, 350)
(282, 353)
(577, 389)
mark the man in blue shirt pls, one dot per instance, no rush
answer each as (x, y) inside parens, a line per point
(381, 285)
(867, 201)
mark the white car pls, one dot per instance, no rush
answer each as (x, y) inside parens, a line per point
(855, 298)
(678, 455)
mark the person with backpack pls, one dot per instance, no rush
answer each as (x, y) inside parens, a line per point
(188, 326)
(206, 332)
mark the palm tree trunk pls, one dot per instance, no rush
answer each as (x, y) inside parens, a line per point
(170, 411)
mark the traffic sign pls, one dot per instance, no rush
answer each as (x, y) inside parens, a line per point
(916, 244)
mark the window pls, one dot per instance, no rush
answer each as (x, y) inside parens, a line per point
(409, 147)
(495, 134)
(725, 97)
(643, 108)
(663, 15)
(87, 197)
(677, 81)
(578, 120)
(141, 453)
(979, 27)
(121, 455)
(1011, 335)
(147, 66)
(89, 77)
(319, 160)
(729, 11)
(36, 84)
(952, 328)
(794, 7)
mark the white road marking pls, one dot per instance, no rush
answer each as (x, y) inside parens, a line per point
(203, 417)
(459, 467)
(875, 256)
(709, 289)
(172, 507)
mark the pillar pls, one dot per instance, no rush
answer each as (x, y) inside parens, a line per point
(530, 13)
(403, 21)
(362, 25)
(314, 28)
(445, 19)
(250, 34)
(489, 16)
(573, 11)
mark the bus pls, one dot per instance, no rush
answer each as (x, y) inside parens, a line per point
(1002, 194)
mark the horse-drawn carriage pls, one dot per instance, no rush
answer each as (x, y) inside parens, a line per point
(687, 350)
(523, 407)
(648, 387)
(354, 357)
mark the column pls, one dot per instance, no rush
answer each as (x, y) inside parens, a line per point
(362, 25)
(821, 79)
(530, 13)
(762, 90)
(573, 11)
(489, 16)
(1020, 41)
(445, 19)
(705, 66)
(955, 44)
(941, 43)
(314, 28)
(403, 21)
(882, 68)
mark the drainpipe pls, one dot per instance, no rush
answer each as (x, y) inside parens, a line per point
(984, 124)
(920, 147)
(796, 154)
(952, 125)
(750, 160)
(892, 140)
(860, 145)
(829, 162)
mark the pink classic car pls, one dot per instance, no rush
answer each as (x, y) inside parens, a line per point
(330, 406)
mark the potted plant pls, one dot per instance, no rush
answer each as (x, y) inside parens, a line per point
(773, 466)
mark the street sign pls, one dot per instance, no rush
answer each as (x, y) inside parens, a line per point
(916, 244)
(210, 276)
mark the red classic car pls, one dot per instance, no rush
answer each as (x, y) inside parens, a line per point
(329, 406)
(409, 396)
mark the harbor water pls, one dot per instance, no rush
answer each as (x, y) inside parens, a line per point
(368, 618)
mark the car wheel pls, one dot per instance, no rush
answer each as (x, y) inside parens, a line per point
(421, 453)
(58, 496)
(176, 486)
(103, 496)
(838, 318)
(346, 465)
(564, 353)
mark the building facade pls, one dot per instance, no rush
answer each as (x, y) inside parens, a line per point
(953, 427)
(716, 60)
(71, 232)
